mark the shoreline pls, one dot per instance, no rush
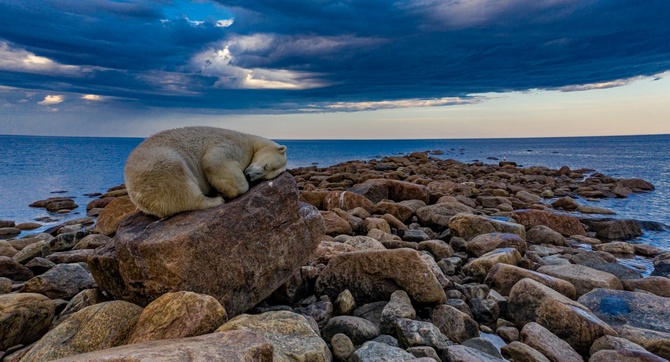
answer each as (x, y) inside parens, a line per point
(424, 237)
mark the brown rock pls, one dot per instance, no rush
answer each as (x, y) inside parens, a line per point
(233, 346)
(178, 315)
(616, 247)
(636, 183)
(441, 188)
(530, 301)
(61, 205)
(655, 342)
(400, 211)
(564, 224)
(478, 268)
(565, 203)
(456, 325)
(24, 318)
(655, 285)
(521, 352)
(93, 328)
(28, 226)
(372, 223)
(290, 334)
(625, 356)
(6, 249)
(502, 277)
(375, 274)
(346, 201)
(614, 229)
(111, 216)
(63, 281)
(438, 215)
(99, 203)
(335, 225)
(468, 354)
(92, 241)
(541, 234)
(438, 248)
(13, 270)
(615, 343)
(72, 256)
(9, 232)
(547, 343)
(582, 277)
(468, 226)
(314, 198)
(327, 250)
(378, 189)
(485, 243)
(221, 251)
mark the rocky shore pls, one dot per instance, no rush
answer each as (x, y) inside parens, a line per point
(407, 258)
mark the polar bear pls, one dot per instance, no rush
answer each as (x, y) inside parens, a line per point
(194, 168)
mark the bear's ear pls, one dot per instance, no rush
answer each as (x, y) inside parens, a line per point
(281, 149)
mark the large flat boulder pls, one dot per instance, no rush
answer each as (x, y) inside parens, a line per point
(502, 278)
(238, 252)
(566, 225)
(468, 226)
(530, 301)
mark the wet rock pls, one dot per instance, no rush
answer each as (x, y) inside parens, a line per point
(485, 243)
(564, 224)
(290, 335)
(565, 203)
(478, 268)
(375, 274)
(220, 251)
(636, 183)
(468, 226)
(233, 346)
(637, 309)
(614, 229)
(547, 343)
(521, 352)
(453, 323)
(503, 277)
(379, 352)
(595, 210)
(63, 281)
(359, 330)
(94, 328)
(178, 315)
(582, 277)
(13, 270)
(541, 234)
(484, 311)
(661, 265)
(530, 301)
(24, 318)
(9, 232)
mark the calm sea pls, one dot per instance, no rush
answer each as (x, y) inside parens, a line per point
(34, 168)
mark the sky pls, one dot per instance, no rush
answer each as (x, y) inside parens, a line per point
(325, 69)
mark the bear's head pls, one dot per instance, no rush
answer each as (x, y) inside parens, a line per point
(268, 163)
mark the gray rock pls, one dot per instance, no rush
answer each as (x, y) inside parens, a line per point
(371, 311)
(412, 333)
(541, 234)
(63, 281)
(484, 311)
(399, 306)
(344, 303)
(547, 343)
(454, 324)
(468, 354)
(321, 311)
(483, 345)
(342, 347)
(379, 352)
(359, 330)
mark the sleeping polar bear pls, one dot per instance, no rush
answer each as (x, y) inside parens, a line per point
(194, 168)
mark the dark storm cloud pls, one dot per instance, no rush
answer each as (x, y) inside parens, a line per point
(297, 54)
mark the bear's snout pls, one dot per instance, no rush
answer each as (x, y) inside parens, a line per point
(254, 173)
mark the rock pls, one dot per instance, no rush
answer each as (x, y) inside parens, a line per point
(423, 354)
(9, 232)
(616, 247)
(637, 309)
(178, 315)
(65, 241)
(438, 215)
(614, 343)
(661, 265)
(92, 241)
(233, 346)
(655, 285)
(547, 343)
(454, 324)
(220, 251)
(596, 261)
(371, 311)
(40, 248)
(346, 201)
(344, 303)
(438, 248)
(625, 356)
(379, 352)
(85, 221)
(24, 318)
(71, 256)
(375, 274)
(412, 333)
(378, 189)
(7, 223)
(614, 229)
(112, 214)
(508, 334)
(655, 342)
(647, 250)
(483, 345)
(595, 210)
(564, 224)
(359, 330)
(468, 354)
(80, 301)
(6, 249)
(320, 311)
(335, 225)
(565, 203)
(582, 277)
(441, 188)
(13, 270)
(66, 204)
(415, 235)
(400, 211)
(63, 281)
(541, 234)
(327, 250)
(290, 335)
(372, 223)
(636, 183)
(484, 311)
(521, 352)
(93, 328)
(342, 347)
(530, 301)
(478, 268)
(400, 306)
(485, 243)
(502, 277)
(40, 265)
(5, 285)
(468, 226)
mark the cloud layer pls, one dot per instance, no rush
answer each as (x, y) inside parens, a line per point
(304, 55)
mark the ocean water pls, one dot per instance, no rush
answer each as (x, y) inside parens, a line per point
(34, 168)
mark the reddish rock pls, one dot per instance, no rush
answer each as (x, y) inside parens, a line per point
(582, 277)
(484, 243)
(636, 183)
(99, 203)
(378, 189)
(223, 251)
(346, 201)
(468, 226)
(109, 218)
(564, 224)
(335, 225)
(314, 198)
(502, 277)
